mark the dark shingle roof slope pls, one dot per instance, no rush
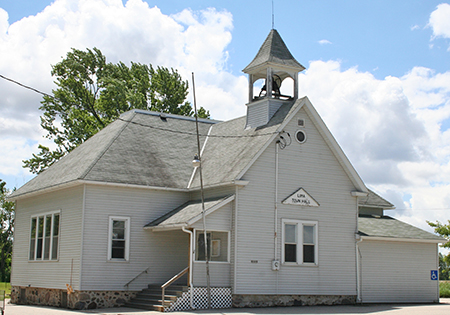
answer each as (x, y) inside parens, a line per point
(139, 148)
(185, 213)
(388, 227)
(230, 147)
(375, 201)
(274, 50)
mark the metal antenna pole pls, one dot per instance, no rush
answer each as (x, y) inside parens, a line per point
(273, 17)
(208, 284)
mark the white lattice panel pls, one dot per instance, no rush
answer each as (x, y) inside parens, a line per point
(220, 298)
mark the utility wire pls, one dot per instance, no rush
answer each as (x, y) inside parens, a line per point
(194, 134)
(25, 86)
(144, 125)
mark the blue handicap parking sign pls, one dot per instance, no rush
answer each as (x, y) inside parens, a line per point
(434, 275)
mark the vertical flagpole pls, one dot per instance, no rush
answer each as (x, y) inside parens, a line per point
(208, 284)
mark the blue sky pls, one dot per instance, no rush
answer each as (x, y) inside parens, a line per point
(378, 72)
(384, 37)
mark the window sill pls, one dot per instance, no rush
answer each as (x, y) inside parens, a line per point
(289, 264)
(211, 262)
(116, 260)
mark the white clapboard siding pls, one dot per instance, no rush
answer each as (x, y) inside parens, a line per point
(49, 274)
(313, 167)
(164, 253)
(219, 220)
(220, 272)
(398, 272)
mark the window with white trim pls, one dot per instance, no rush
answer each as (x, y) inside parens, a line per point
(217, 245)
(300, 242)
(44, 236)
(119, 238)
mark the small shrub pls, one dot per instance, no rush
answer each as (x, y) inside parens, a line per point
(444, 289)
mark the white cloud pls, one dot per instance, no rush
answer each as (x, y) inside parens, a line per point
(391, 131)
(324, 42)
(440, 21)
(188, 41)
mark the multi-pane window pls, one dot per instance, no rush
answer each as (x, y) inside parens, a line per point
(44, 237)
(217, 246)
(119, 238)
(300, 242)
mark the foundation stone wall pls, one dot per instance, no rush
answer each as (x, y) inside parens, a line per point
(250, 300)
(80, 300)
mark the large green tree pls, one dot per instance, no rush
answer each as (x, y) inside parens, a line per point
(7, 211)
(92, 93)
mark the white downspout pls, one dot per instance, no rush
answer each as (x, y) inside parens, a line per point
(191, 264)
(358, 271)
(276, 203)
(275, 254)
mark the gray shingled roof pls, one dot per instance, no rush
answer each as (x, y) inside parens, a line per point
(274, 51)
(374, 200)
(140, 148)
(388, 227)
(182, 215)
(231, 147)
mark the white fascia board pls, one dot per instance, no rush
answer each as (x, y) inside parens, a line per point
(359, 193)
(211, 210)
(377, 207)
(36, 192)
(408, 240)
(236, 182)
(88, 182)
(170, 227)
(339, 153)
(194, 171)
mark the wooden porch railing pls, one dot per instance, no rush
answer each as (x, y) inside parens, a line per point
(172, 280)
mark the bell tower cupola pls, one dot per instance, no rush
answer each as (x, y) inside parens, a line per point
(273, 63)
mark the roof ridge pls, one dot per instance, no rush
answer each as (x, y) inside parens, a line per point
(127, 122)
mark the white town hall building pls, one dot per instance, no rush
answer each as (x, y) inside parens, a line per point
(288, 219)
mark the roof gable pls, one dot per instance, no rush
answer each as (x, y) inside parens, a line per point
(233, 150)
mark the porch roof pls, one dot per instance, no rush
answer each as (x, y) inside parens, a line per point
(188, 213)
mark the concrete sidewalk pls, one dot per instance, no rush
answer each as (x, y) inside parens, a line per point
(442, 308)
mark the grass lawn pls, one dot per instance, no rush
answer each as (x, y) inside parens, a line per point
(444, 289)
(6, 287)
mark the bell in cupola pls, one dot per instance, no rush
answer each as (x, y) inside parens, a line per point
(274, 64)
(276, 85)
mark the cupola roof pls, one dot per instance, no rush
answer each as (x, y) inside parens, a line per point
(275, 52)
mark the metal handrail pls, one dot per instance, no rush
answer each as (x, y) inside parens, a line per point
(142, 272)
(172, 280)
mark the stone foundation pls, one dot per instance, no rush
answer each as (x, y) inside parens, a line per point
(80, 300)
(244, 300)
